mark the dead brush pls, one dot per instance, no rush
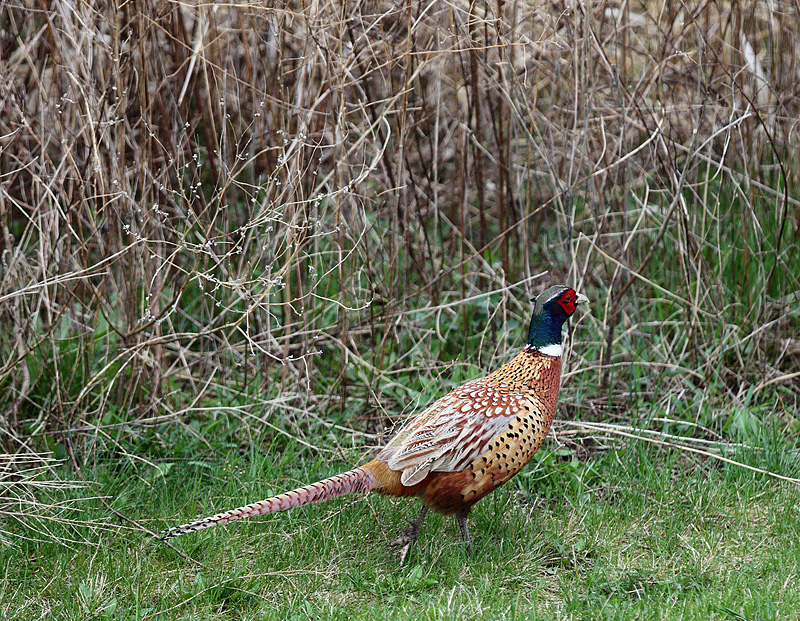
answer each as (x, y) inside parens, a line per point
(34, 495)
(195, 196)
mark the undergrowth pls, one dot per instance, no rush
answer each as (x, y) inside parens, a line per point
(604, 532)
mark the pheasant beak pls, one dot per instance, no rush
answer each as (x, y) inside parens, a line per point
(581, 299)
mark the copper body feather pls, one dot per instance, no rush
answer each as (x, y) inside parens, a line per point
(452, 454)
(473, 439)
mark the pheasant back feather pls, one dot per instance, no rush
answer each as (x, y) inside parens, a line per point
(489, 428)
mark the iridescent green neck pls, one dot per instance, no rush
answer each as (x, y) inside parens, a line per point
(545, 330)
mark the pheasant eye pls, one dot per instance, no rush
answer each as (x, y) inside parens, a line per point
(567, 302)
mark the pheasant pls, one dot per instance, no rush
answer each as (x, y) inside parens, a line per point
(462, 446)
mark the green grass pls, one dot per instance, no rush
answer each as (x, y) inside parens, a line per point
(634, 532)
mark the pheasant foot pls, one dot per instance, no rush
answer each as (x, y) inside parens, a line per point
(409, 535)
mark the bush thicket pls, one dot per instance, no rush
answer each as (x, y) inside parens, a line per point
(295, 208)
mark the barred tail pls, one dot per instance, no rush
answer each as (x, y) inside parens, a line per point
(358, 480)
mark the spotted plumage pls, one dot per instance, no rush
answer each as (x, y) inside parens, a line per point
(461, 447)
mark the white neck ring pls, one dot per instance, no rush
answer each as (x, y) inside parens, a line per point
(554, 349)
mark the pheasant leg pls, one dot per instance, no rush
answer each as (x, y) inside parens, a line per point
(461, 516)
(409, 535)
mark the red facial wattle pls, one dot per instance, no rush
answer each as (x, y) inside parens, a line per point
(567, 301)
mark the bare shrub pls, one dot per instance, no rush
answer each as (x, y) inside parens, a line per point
(206, 197)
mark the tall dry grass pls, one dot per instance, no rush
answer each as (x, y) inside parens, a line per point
(304, 200)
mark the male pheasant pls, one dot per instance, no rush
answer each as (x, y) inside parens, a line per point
(461, 447)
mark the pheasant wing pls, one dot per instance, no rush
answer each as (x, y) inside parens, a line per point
(452, 432)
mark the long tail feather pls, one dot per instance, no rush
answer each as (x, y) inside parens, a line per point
(358, 480)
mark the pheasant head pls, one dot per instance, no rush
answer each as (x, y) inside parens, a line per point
(551, 309)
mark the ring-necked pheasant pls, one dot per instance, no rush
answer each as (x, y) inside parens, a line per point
(462, 446)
